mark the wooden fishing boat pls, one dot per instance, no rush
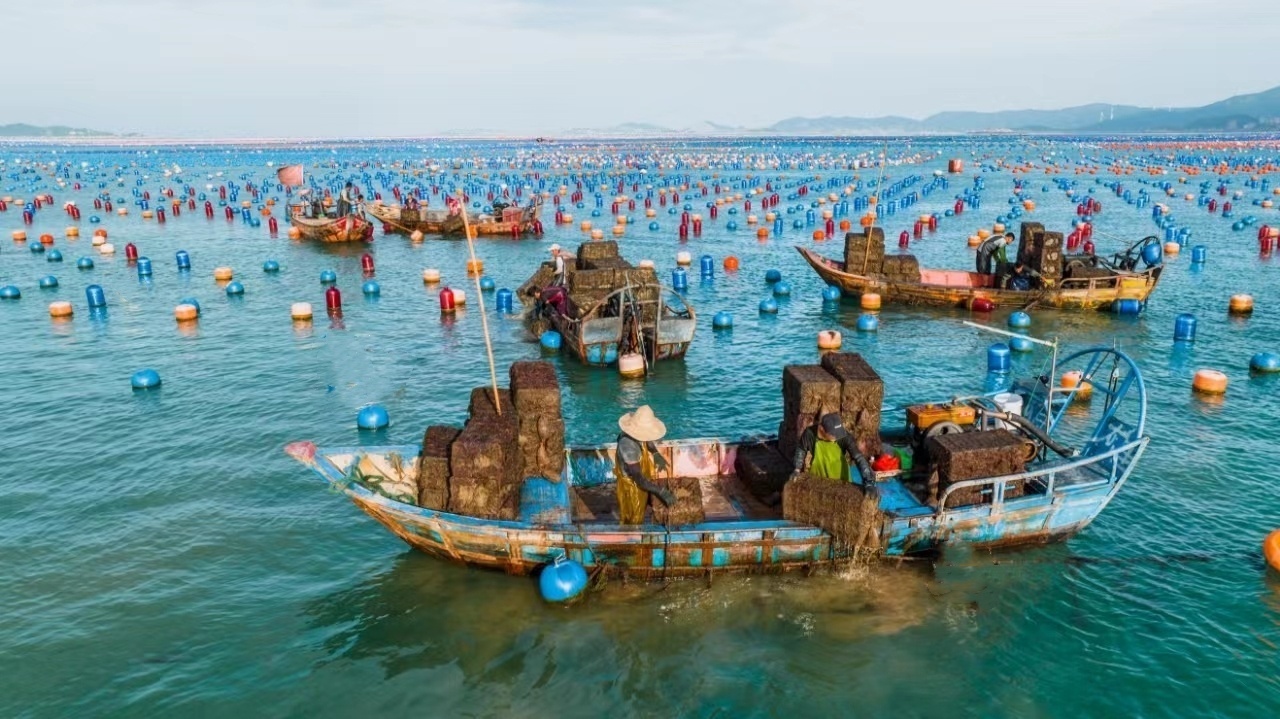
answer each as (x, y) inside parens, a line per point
(1062, 489)
(351, 228)
(1100, 288)
(651, 320)
(404, 221)
(509, 222)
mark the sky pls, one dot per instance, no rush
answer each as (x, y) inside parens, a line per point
(405, 68)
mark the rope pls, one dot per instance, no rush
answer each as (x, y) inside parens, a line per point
(866, 254)
(484, 317)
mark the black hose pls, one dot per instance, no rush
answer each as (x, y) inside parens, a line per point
(1030, 428)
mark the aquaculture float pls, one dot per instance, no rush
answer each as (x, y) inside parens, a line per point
(1033, 464)
(1121, 283)
(603, 308)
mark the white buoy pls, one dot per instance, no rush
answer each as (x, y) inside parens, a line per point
(300, 311)
(631, 365)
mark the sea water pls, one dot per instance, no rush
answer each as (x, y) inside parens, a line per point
(161, 555)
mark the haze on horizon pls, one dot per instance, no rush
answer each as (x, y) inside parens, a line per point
(377, 68)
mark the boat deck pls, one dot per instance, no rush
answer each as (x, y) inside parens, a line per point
(724, 499)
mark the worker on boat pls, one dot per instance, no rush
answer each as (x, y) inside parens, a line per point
(411, 202)
(1022, 278)
(557, 260)
(637, 463)
(994, 249)
(827, 450)
(346, 199)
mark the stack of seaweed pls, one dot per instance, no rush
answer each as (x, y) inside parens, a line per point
(808, 391)
(864, 251)
(433, 467)
(762, 469)
(591, 254)
(901, 269)
(535, 392)
(976, 455)
(484, 466)
(861, 395)
(686, 510)
(841, 509)
(1041, 251)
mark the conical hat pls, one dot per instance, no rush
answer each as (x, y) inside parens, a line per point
(642, 425)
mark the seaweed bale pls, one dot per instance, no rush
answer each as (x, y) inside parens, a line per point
(861, 396)
(1030, 237)
(484, 498)
(807, 392)
(902, 269)
(484, 468)
(535, 390)
(976, 455)
(1051, 262)
(433, 466)
(596, 250)
(842, 509)
(864, 251)
(482, 404)
(687, 508)
(762, 469)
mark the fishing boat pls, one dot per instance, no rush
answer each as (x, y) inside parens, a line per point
(604, 309)
(1080, 455)
(406, 221)
(502, 221)
(349, 228)
(1088, 282)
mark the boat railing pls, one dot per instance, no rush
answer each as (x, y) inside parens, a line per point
(1116, 471)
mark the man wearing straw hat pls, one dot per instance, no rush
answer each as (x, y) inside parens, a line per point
(637, 463)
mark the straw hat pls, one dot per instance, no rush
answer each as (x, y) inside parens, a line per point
(642, 425)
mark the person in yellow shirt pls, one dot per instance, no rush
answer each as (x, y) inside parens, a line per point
(637, 463)
(827, 450)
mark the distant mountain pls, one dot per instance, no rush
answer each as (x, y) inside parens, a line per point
(24, 130)
(1255, 112)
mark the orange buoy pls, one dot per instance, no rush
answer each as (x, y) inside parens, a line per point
(984, 233)
(295, 233)
(1209, 381)
(597, 234)
(1075, 380)
(819, 235)
(585, 226)
(731, 264)
(1271, 549)
(19, 236)
(416, 235)
(1172, 248)
(73, 232)
(186, 313)
(870, 301)
(829, 340)
(475, 267)
(1240, 305)
(46, 239)
(223, 274)
(762, 233)
(60, 309)
(845, 225)
(974, 240)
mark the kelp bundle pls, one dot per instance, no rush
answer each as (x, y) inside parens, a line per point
(850, 515)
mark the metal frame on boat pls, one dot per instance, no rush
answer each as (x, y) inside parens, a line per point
(596, 334)
(1062, 495)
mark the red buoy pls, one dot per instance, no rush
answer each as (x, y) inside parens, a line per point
(333, 300)
(918, 230)
(933, 223)
(981, 304)
(446, 301)
(272, 226)
(904, 240)
(208, 209)
(131, 252)
(1088, 247)
(160, 215)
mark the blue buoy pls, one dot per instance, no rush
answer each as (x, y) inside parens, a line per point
(373, 416)
(679, 279)
(769, 306)
(54, 256)
(868, 323)
(270, 266)
(1126, 306)
(781, 289)
(722, 320)
(830, 293)
(183, 259)
(1021, 344)
(505, 301)
(328, 277)
(998, 358)
(1019, 320)
(144, 267)
(37, 248)
(84, 263)
(145, 379)
(370, 288)
(654, 226)
(95, 296)
(772, 275)
(234, 288)
(94, 219)
(48, 282)
(731, 225)
(1198, 254)
(707, 266)
(10, 292)
(1152, 254)
(487, 284)
(562, 580)
(1184, 328)
(1265, 362)
(190, 301)
(550, 340)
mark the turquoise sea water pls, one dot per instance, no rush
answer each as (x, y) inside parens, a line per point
(161, 555)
